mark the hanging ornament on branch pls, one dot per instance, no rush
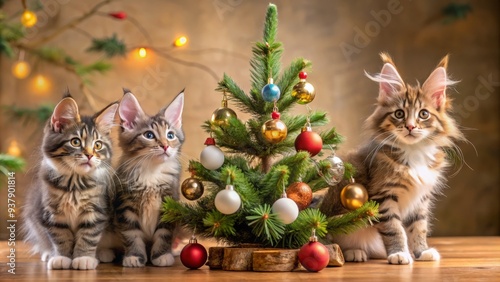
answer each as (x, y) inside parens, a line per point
(336, 170)
(211, 157)
(353, 195)
(286, 209)
(227, 201)
(271, 92)
(222, 115)
(309, 140)
(192, 188)
(314, 256)
(193, 255)
(274, 130)
(300, 193)
(303, 91)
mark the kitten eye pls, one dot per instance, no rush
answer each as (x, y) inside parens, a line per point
(424, 114)
(170, 135)
(75, 142)
(399, 114)
(98, 145)
(149, 134)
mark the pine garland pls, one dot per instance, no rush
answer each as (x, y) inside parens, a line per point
(260, 171)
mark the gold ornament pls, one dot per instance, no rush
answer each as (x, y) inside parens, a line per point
(222, 115)
(300, 193)
(353, 195)
(303, 92)
(192, 189)
(274, 130)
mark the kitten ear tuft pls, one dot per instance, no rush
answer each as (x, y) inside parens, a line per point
(129, 110)
(126, 90)
(390, 82)
(173, 113)
(65, 113)
(435, 87)
(444, 62)
(105, 118)
(66, 93)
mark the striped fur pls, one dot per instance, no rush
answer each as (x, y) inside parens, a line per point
(149, 171)
(401, 166)
(68, 205)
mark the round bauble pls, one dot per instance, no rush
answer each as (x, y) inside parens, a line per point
(227, 201)
(271, 92)
(221, 116)
(309, 141)
(193, 255)
(314, 256)
(353, 195)
(274, 131)
(192, 189)
(335, 171)
(300, 193)
(212, 157)
(304, 92)
(286, 209)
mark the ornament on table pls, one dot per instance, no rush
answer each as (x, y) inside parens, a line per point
(314, 256)
(274, 130)
(300, 193)
(222, 115)
(271, 92)
(286, 208)
(227, 201)
(309, 140)
(211, 157)
(335, 172)
(193, 255)
(353, 195)
(303, 91)
(192, 188)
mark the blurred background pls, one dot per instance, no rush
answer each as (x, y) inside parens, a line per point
(156, 48)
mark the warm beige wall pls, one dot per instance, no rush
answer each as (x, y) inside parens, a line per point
(315, 30)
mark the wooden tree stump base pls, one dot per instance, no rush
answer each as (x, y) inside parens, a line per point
(253, 258)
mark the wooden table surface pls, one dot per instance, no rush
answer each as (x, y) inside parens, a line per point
(463, 259)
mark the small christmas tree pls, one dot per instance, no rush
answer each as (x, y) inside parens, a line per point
(270, 152)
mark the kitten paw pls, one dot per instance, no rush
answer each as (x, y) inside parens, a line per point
(59, 262)
(133, 261)
(105, 255)
(85, 263)
(355, 255)
(164, 260)
(430, 254)
(45, 256)
(400, 258)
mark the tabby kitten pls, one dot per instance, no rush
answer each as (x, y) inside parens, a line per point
(68, 205)
(149, 170)
(402, 166)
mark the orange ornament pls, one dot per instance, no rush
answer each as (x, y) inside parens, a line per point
(300, 193)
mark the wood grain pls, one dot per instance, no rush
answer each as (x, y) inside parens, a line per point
(463, 259)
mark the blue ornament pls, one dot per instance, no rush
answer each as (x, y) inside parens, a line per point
(271, 92)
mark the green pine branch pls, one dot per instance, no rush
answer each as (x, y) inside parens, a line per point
(266, 225)
(10, 163)
(110, 46)
(354, 220)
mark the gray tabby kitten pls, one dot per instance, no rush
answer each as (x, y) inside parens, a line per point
(402, 166)
(149, 170)
(68, 205)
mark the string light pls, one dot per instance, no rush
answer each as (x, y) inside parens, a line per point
(28, 18)
(21, 69)
(41, 83)
(14, 149)
(142, 52)
(181, 41)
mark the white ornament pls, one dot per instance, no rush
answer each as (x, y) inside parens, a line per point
(212, 157)
(286, 209)
(227, 201)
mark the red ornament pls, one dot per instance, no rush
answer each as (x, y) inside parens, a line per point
(275, 115)
(314, 256)
(302, 75)
(309, 141)
(118, 15)
(193, 255)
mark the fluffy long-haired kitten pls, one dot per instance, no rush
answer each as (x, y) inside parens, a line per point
(149, 170)
(402, 166)
(67, 208)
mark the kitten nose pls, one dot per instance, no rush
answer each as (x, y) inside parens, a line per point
(165, 147)
(89, 156)
(410, 127)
